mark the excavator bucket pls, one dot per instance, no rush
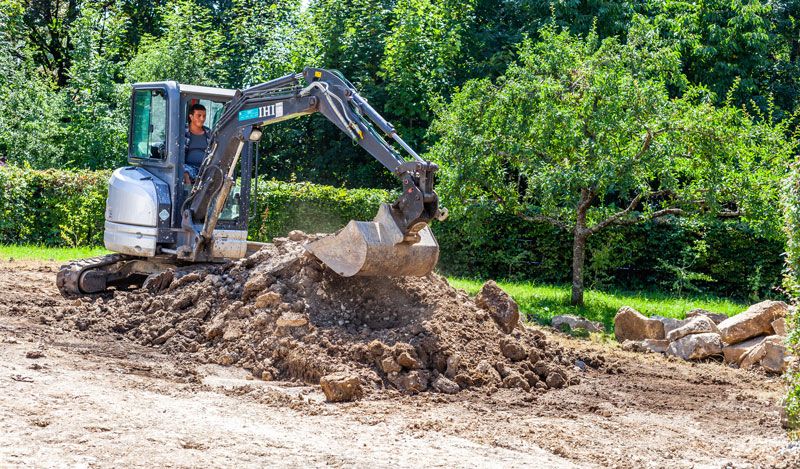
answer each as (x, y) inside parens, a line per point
(376, 248)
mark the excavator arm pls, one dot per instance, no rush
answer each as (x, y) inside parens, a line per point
(317, 90)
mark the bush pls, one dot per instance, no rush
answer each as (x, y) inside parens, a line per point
(52, 208)
(285, 206)
(723, 257)
(791, 282)
(65, 208)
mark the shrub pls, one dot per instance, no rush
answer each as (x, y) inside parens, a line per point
(65, 208)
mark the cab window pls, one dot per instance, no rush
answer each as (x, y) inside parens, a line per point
(213, 110)
(149, 129)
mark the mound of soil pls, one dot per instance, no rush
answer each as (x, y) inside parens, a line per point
(281, 314)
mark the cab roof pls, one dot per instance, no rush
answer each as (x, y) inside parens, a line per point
(206, 90)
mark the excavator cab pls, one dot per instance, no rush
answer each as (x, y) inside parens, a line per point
(143, 209)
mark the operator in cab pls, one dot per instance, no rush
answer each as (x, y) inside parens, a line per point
(198, 137)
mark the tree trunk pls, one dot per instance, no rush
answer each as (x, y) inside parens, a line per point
(578, 257)
(579, 246)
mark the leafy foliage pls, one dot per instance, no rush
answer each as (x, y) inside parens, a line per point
(582, 133)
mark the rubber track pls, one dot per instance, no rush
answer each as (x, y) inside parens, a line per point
(69, 275)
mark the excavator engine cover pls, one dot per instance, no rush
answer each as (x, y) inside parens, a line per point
(377, 248)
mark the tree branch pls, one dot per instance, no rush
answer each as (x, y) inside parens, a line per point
(617, 216)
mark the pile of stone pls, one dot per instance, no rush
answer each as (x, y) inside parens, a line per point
(753, 338)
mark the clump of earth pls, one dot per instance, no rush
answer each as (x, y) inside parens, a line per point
(282, 314)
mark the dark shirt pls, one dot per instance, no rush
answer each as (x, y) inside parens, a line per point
(196, 146)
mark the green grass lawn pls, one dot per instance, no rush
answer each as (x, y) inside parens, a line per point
(541, 302)
(42, 253)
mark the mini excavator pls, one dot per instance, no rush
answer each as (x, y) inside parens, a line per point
(155, 223)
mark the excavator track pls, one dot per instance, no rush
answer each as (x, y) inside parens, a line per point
(69, 275)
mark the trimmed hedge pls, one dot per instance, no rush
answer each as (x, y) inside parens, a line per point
(51, 207)
(66, 208)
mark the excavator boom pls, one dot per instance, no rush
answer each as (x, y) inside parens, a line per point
(397, 242)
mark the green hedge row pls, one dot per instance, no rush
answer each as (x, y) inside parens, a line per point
(66, 208)
(53, 208)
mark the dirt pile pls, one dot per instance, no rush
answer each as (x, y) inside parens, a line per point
(281, 314)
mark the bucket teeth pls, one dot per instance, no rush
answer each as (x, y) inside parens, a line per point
(377, 248)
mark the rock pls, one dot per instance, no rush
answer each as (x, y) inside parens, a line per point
(732, 354)
(407, 361)
(34, 354)
(756, 320)
(655, 345)
(515, 380)
(444, 385)
(512, 349)
(770, 354)
(697, 325)
(341, 387)
(541, 369)
(413, 381)
(216, 327)
(232, 332)
(531, 377)
(775, 360)
(716, 317)
(670, 324)
(696, 346)
(453, 362)
(228, 359)
(646, 345)
(630, 324)
(268, 299)
(556, 380)
(390, 365)
(779, 326)
(292, 320)
(297, 235)
(500, 306)
(486, 373)
(575, 322)
(255, 285)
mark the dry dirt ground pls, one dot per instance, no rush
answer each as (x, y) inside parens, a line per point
(72, 399)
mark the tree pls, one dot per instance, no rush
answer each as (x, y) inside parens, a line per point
(189, 50)
(423, 60)
(582, 134)
(96, 105)
(31, 107)
(722, 41)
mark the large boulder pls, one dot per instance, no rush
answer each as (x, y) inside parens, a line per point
(716, 317)
(733, 353)
(670, 324)
(696, 346)
(630, 324)
(779, 326)
(756, 320)
(770, 354)
(697, 325)
(500, 306)
(575, 322)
